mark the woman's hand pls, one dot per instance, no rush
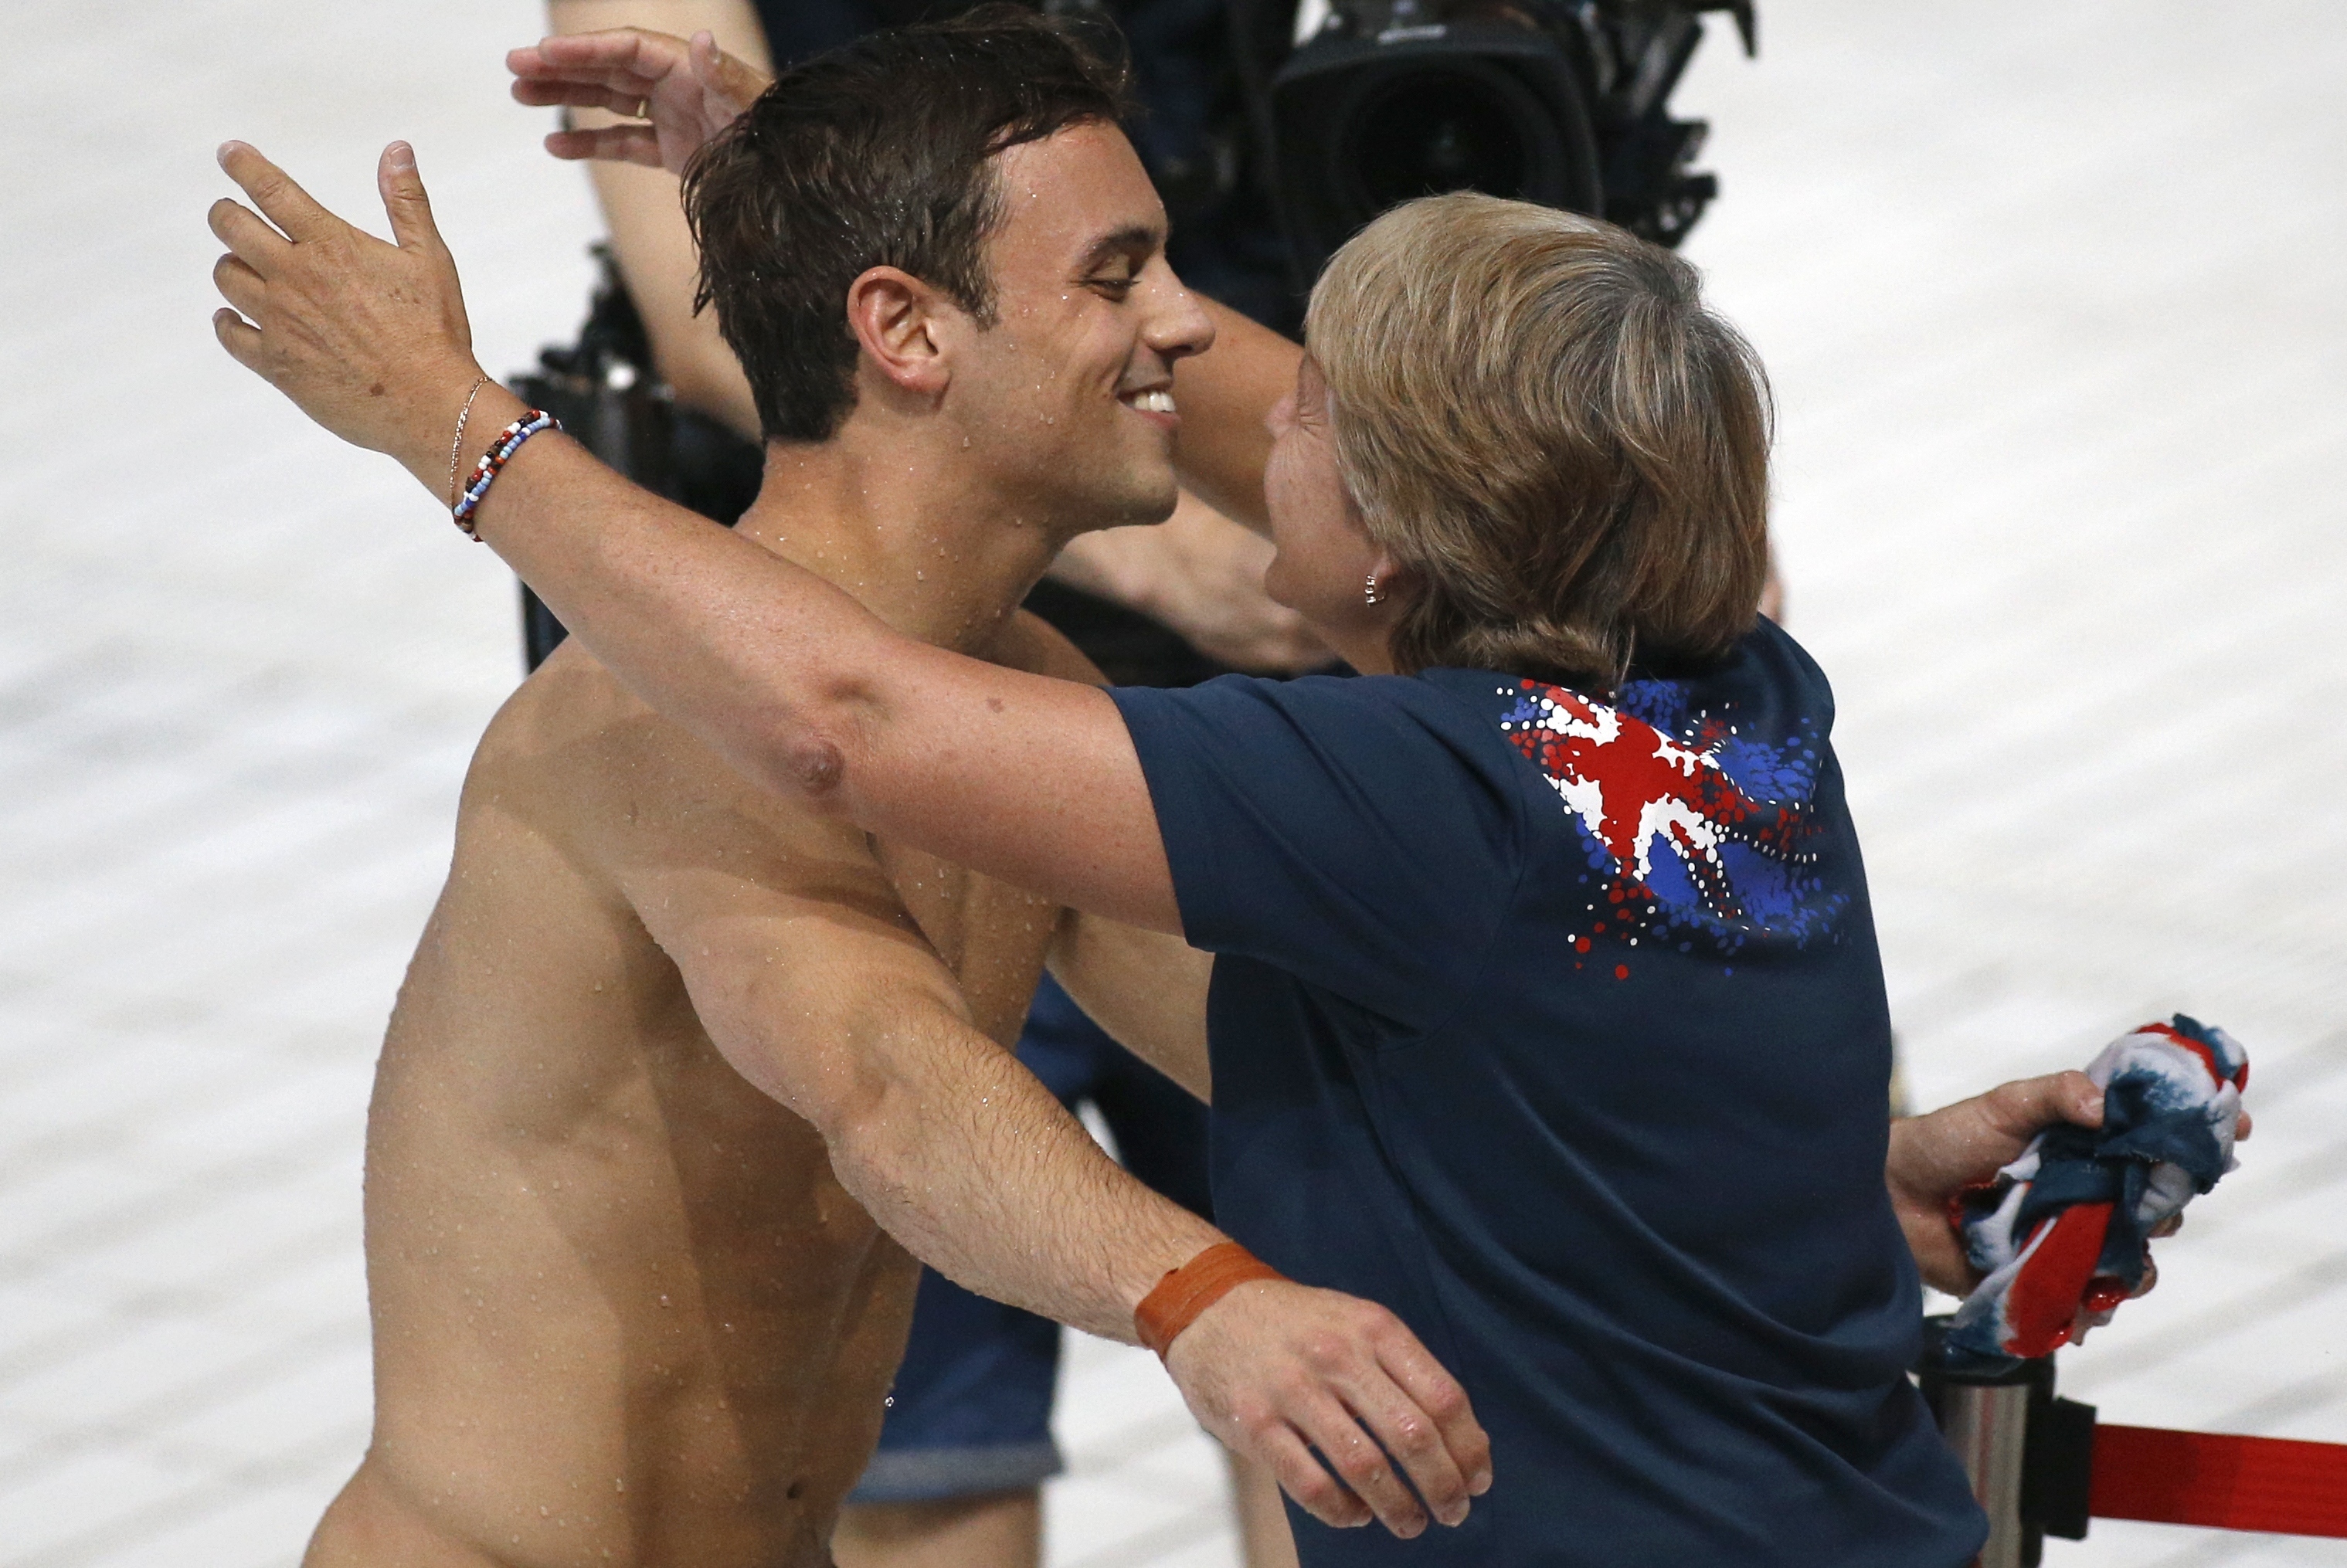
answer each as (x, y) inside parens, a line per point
(1936, 1156)
(368, 339)
(689, 91)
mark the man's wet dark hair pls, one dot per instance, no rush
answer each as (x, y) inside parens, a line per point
(874, 154)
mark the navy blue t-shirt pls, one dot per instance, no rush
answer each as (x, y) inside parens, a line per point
(1558, 1027)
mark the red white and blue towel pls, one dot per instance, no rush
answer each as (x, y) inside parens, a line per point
(2067, 1225)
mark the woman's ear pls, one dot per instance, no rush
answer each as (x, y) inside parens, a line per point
(1395, 582)
(896, 320)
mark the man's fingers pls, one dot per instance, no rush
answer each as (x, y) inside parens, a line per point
(1409, 1435)
(282, 201)
(1420, 1379)
(1360, 1464)
(404, 200)
(608, 144)
(240, 285)
(1307, 1479)
(246, 235)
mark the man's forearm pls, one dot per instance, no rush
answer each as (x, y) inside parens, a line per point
(979, 1173)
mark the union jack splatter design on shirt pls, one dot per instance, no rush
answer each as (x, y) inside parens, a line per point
(1695, 832)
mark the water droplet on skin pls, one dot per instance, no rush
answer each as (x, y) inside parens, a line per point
(663, 1301)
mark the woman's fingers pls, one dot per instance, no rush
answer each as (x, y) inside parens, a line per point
(240, 285)
(282, 201)
(240, 338)
(247, 236)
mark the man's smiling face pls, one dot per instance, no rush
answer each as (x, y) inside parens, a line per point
(1070, 395)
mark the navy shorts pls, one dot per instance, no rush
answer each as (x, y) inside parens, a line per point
(971, 1409)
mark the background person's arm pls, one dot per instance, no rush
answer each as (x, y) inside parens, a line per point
(650, 242)
(1146, 989)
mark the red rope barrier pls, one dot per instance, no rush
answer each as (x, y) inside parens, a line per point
(2226, 1482)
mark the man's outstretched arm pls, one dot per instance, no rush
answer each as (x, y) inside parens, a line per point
(836, 1007)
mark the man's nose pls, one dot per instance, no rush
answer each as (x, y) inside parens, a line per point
(1179, 325)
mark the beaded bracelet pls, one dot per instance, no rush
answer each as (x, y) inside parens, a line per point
(500, 452)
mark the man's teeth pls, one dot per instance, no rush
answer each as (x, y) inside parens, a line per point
(1159, 401)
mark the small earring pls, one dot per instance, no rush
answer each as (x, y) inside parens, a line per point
(1370, 589)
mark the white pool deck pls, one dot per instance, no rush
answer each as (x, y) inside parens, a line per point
(2051, 294)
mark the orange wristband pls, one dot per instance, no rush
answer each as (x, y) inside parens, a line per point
(1189, 1290)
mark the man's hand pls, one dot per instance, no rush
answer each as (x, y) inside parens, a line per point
(689, 92)
(1276, 1369)
(368, 339)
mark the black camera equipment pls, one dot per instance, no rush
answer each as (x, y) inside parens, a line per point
(1562, 102)
(604, 390)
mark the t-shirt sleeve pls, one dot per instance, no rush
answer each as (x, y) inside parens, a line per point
(1363, 835)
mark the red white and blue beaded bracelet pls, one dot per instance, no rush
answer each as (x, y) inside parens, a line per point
(500, 452)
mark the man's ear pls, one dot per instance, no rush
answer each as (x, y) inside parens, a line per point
(900, 321)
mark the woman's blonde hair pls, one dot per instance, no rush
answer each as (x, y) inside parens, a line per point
(1539, 417)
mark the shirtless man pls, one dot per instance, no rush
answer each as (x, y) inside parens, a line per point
(670, 1046)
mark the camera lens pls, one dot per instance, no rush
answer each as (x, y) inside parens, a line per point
(1432, 131)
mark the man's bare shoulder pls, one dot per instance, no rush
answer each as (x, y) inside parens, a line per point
(576, 758)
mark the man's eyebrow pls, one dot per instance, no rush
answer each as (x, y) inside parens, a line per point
(1142, 237)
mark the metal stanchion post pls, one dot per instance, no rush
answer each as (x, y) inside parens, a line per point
(2028, 1454)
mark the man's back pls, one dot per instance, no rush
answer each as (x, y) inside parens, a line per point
(623, 1309)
